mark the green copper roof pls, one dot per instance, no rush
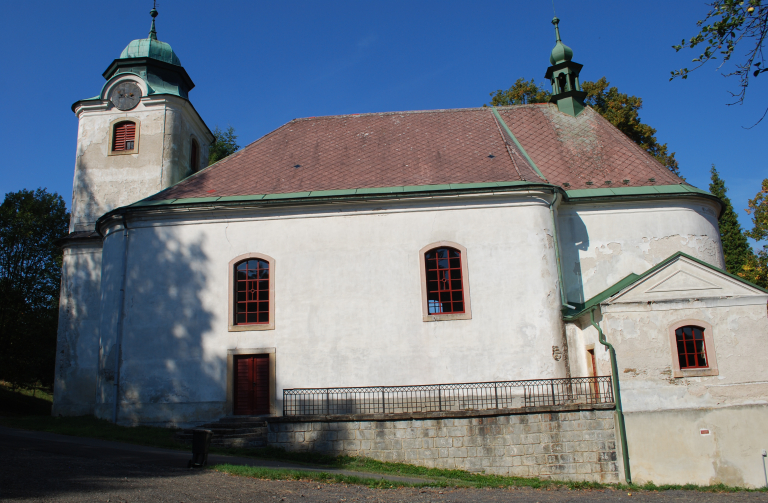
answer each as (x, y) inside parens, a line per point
(150, 48)
(561, 53)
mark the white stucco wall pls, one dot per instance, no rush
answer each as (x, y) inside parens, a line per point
(348, 300)
(601, 243)
(103, 182)
(77, 344)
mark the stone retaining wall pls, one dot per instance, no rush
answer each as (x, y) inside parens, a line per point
(578, 445)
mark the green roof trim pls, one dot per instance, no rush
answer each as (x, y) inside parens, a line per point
(379, 190)
(331, 193)
(288, 195)
(426, 188)
(517, 143)
(195, 200)
(581, 309)
(255, 197)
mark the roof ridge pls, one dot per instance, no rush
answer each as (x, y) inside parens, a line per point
(395, 112)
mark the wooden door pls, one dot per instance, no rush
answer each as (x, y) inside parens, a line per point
(251, 385)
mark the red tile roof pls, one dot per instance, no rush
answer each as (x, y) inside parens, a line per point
(431, 147)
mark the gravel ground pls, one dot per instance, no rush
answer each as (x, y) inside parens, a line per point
(37, 467)
(32, 476)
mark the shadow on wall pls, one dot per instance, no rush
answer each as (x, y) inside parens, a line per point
(167, 375)
(574, 238)
(77, 344)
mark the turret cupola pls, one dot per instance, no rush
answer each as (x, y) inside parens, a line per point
(564, 77)
(155, 62)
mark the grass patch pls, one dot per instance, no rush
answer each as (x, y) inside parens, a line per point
(284, 474)
(23, 401)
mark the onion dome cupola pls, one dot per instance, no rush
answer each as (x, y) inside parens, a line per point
(155, 62)
(564, 76)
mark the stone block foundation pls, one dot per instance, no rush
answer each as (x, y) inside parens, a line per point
(578, 445)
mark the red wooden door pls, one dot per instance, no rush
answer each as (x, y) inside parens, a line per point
(251, 385)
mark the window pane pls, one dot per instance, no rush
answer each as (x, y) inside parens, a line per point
(241, 307)
(455, 263)
(263, 307)
(456, 274)
(687, 332)
(263, 317)
(240, 296)
(683, 363)
(457, 296)
(431, 286)
(252, 318)
(434, 307)
(458, 307)
(241, 318)
(264, 285)
(445, 296)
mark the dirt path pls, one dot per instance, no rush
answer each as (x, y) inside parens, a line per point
(32, 472)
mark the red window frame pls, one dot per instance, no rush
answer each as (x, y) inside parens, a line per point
(445, 284)
(251, 292)
(691, 347)
(124, 136)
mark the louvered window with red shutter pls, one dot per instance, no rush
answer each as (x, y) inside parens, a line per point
(124, 136)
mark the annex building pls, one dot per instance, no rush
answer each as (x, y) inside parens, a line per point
(517, 290)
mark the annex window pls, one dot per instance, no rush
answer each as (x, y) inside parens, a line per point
(194, 157)
(252, 292)
(445, 295)
(124, 136)
(691, 348)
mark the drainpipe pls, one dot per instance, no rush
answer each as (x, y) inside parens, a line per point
(120, 309)
(557, 252)
(616, 394)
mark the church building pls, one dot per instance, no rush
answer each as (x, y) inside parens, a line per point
(387, 252)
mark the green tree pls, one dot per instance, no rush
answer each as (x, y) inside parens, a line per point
(620, 109)
(756, 269)
(522, 92)
(728, 24)
(224, 144)
(735, 245)
(30, 278)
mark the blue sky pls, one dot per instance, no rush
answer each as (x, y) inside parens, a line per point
(257, 65)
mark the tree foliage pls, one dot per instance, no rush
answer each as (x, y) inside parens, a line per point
(728, 24)
(735, 245)
(30, 277)
(620, 109)
(756, 269)
(224, 144)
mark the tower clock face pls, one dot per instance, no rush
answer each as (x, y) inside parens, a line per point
(125, 96)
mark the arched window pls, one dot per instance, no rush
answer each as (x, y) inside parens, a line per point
(194, 157)
(445, 295)
(124, 136)
(691, 347)
(252, 291)
(445, 291)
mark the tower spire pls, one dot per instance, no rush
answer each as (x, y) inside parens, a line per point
(153, 13)
(564, 76)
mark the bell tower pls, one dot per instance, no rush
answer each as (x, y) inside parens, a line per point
(139, 135)
(564, 76)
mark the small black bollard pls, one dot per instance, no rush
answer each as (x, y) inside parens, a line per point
(201, 440)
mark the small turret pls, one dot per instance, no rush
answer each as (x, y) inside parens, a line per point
(564, 76)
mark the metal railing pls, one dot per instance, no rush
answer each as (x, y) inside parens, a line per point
(447, 397)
